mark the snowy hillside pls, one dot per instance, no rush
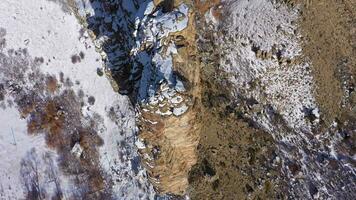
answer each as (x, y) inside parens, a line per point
(65, 132)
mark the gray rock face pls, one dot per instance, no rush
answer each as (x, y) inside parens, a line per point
(132, 35)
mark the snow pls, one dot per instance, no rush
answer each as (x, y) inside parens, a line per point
(265, 24)
(140, 144)
(48, 32)
(14, 144)
(181, 110)
(155, 30)
(16, 147)
(176, 100)
(77, 150)
(84, 8)
(149, 9)
(209, 17)
(260, 24)
(145, 41)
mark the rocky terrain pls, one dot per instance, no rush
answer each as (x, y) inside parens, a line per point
(177, 99)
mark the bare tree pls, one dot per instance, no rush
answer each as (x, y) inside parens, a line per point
(30, 175)
(52, 174)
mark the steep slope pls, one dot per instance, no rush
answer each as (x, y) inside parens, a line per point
(177, 99)
(247, 76)
(258, 51)
(152, 51)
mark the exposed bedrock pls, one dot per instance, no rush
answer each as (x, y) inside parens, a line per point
(149, 50)
(228, 97)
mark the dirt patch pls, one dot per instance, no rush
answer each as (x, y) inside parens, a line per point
(236, 160)
(203, 6)
(51, 83)
(234, 157)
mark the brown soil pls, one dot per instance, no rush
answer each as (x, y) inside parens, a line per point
(203, 6)
(329, 31)
(234, 157)
(51, 83)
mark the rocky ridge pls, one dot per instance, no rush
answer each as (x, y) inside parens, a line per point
(155, 61)
(254, 48)
(212, 100)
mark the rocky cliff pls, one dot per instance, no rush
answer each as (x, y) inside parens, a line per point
(177, 99)
(228, 96)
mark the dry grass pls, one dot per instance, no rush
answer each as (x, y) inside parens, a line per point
(54, 117)
(51, 83)
(203, 6)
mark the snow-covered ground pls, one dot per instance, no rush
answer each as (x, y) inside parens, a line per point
(58, 46)
(15, 143)
(259, 27)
